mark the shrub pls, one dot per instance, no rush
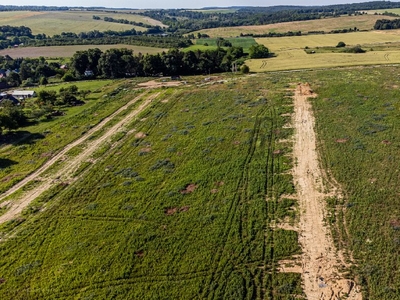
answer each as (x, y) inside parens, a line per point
(245, 69)
(340, 45)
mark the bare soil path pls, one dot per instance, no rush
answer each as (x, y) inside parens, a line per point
(320, 259)
(70, 165)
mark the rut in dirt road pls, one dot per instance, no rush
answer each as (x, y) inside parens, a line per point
(320, 260)
(70, 166)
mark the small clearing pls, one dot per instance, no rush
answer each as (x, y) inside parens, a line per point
(156, 84)
(64, 174)
(320, 260)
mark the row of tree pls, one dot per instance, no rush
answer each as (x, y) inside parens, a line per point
(117, 63)
(123, 21)
(387, 24)
(28, 71)
(12, 35)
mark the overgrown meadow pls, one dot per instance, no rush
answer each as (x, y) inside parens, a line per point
(25, 150)
(179, 206)
(358, 126)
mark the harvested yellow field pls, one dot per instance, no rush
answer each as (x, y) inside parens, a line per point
(326, 40)
(298, 59)
(55, 22)
(362, 22)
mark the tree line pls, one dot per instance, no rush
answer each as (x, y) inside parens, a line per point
(387, 24)
(22, 36)
(123, 21)
(117, 63)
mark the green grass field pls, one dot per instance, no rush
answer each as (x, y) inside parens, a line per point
(55, 22)
(28, 141)
(357, 113)
(188, 217)
(363, 22)
(69, 51)
(243, 42)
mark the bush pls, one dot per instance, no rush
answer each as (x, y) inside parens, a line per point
(258, 51)
(341, 45)
(245, 69)
(68, 77)
(356, 49)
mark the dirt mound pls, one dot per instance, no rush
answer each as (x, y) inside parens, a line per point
(190, 188)
(305, 89)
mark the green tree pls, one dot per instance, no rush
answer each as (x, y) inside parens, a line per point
(341, 44)
(79, 63)
(111, 63)
(245, 69)
(258, 51)
(11, 116)
(68, 95)
(45, 98)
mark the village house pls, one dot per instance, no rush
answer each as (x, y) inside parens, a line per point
(23, 94)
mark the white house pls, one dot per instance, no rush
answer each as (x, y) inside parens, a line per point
(23, 94)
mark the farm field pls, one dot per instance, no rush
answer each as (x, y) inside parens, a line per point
(289, 51)
(212, 159)
(362, 22)
(55, 22)
(381, 11)
(244, 42)
(357, 117)
(69, 51)
(188, 191)
(20, 158)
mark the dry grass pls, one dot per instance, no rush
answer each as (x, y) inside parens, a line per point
(298, 59)
(55, 22)
(290, 54)
(363, 22)
(372, 38)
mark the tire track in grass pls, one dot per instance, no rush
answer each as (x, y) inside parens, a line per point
(66, 171)
(320, 260)
(268, 185)
(241, 189)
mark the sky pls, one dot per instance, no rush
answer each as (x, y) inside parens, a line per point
(173, 3)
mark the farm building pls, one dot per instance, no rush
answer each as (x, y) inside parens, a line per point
(23, 94)
(5, 96)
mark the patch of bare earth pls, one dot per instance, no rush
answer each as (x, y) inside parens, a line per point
(190, 188)
(320, 260)
(154, 84)
(67, 170)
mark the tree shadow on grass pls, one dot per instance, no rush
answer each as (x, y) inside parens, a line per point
(5, 163)
(20, 137)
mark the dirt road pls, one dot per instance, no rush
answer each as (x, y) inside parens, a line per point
(320, 260)
(70, 165)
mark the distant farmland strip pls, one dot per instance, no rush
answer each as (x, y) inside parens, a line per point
(55, 22)
(68, 51)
